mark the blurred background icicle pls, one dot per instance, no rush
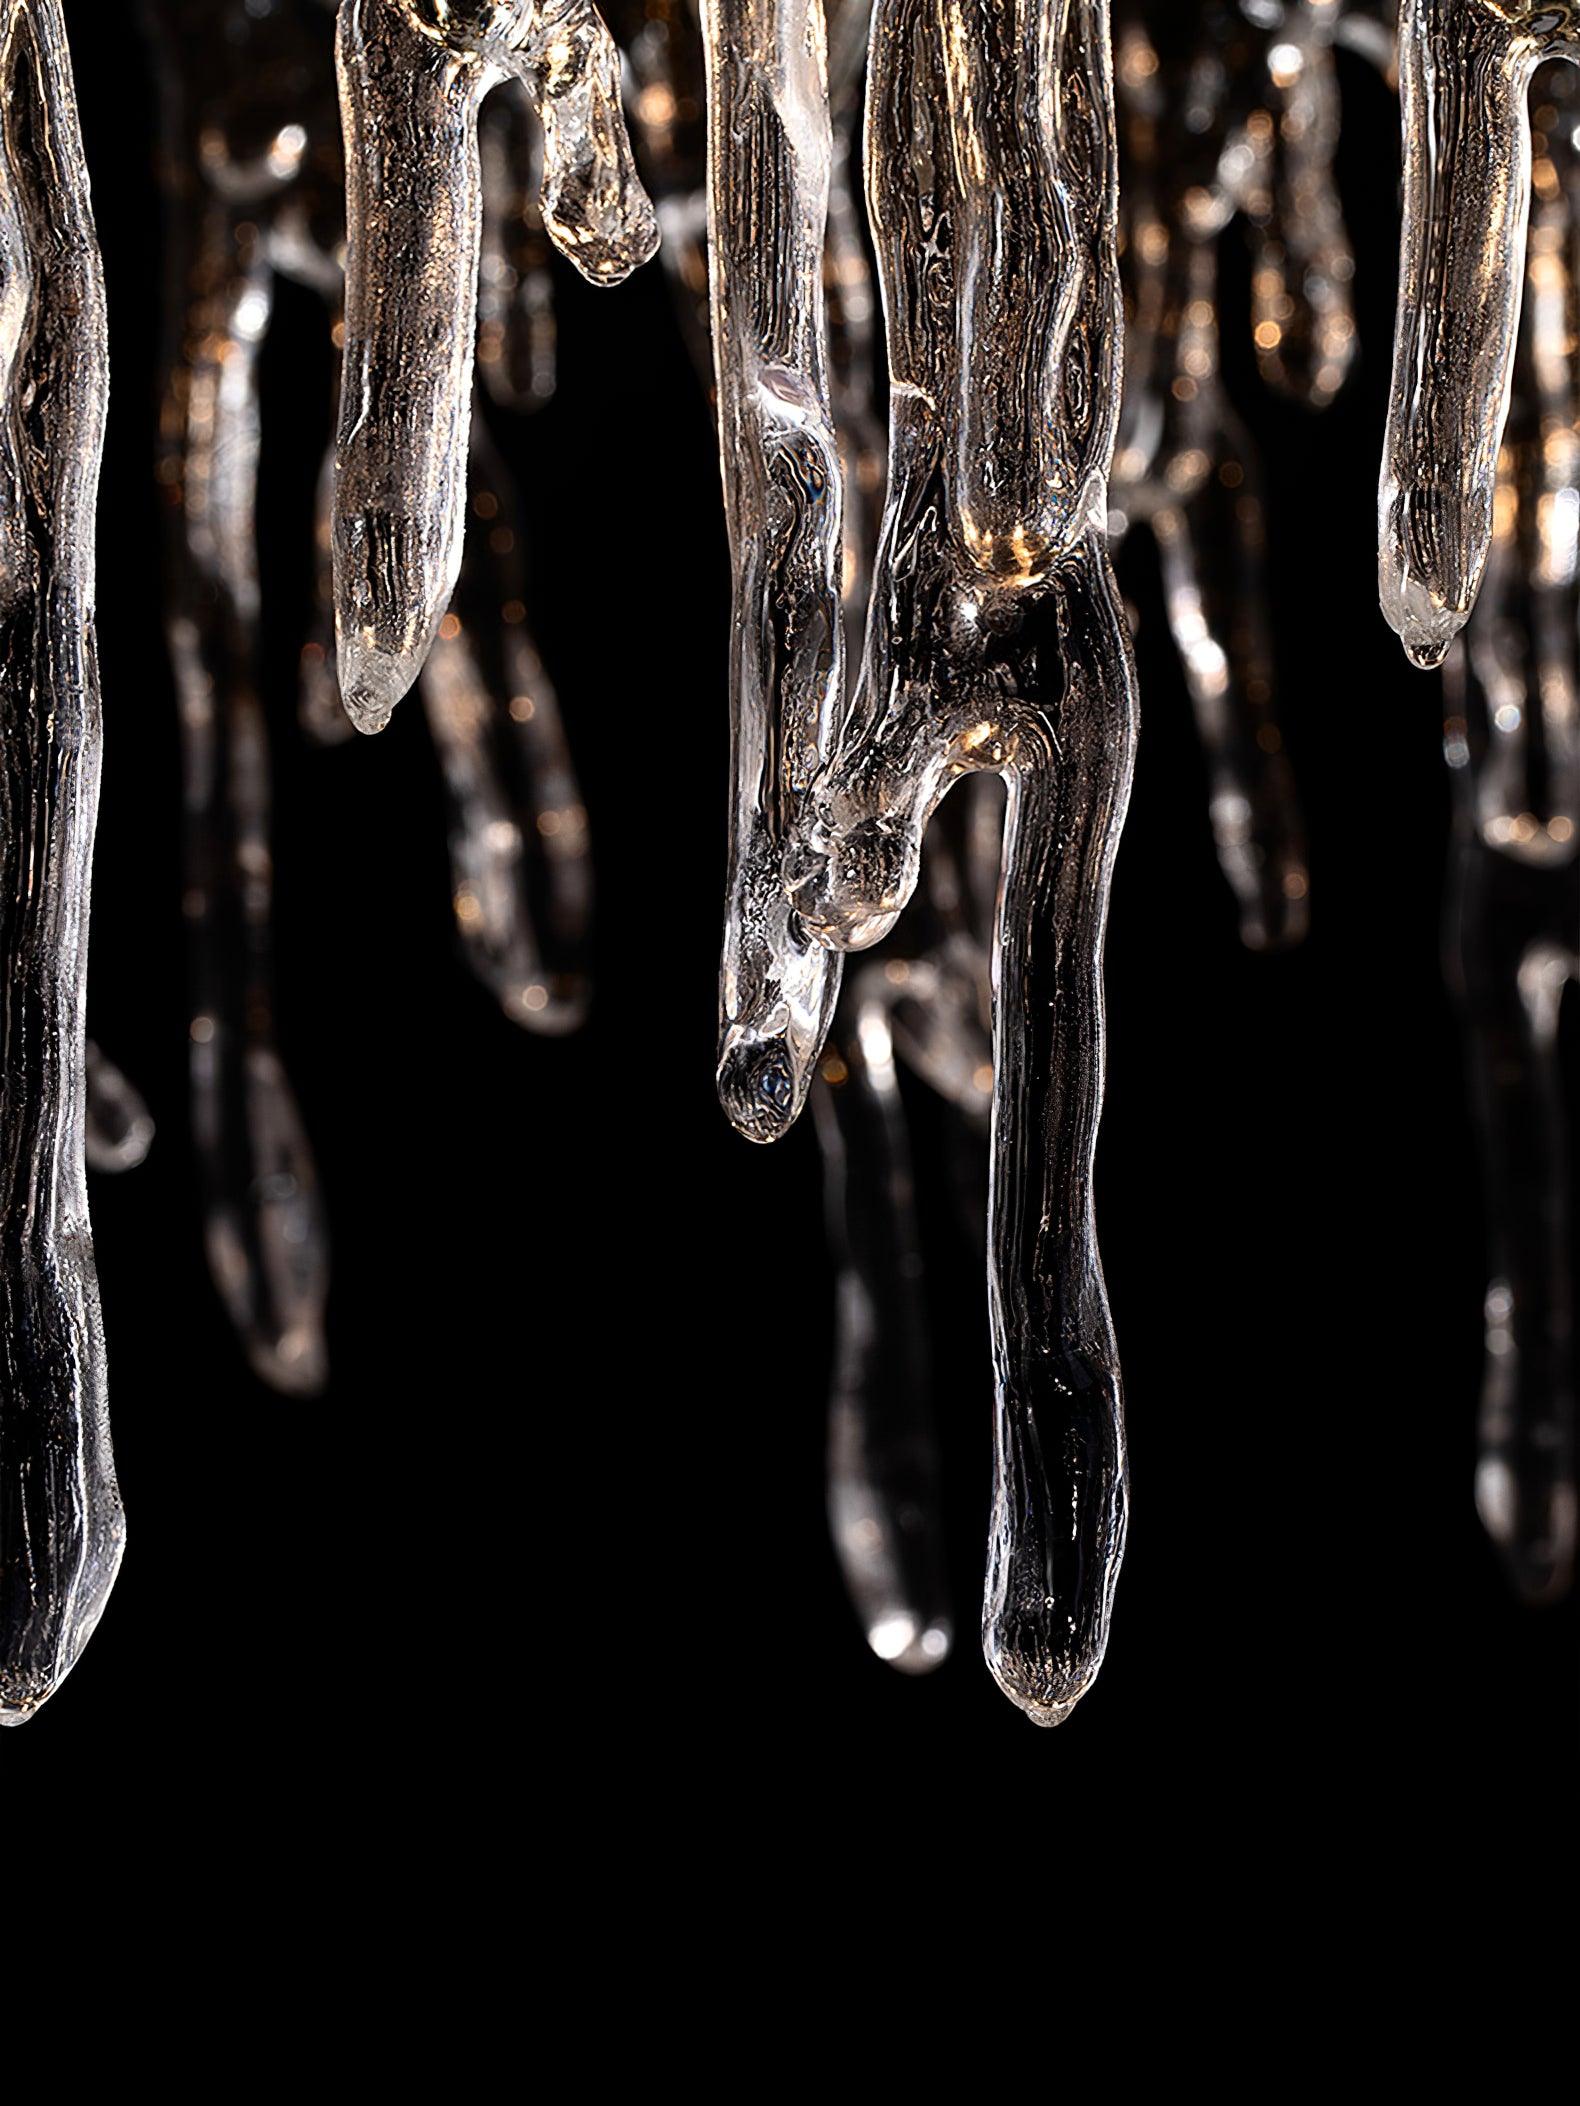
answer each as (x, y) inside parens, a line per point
(1512, 738)
(1480, 534)
(250, 184)
(120, 1129)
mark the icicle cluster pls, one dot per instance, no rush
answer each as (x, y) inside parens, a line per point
(882, 653)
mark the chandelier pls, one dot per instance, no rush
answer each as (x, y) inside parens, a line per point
(951, 274)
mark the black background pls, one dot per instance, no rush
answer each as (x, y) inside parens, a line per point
(560, 1513)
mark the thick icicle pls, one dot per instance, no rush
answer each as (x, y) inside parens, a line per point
(997, 641)
(883, 1502)
(769, 143)
(413, 75)
(1465, 72)
(61, 1524)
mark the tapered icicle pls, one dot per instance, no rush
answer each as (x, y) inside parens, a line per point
(226, 111)
(997, 641)
(119, 1130)
(769, 143)
(1465, 72)
(61, 1524)
(413, 75)
(1511, 741)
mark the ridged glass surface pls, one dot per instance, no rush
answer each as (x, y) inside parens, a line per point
(413, 76)
(61, 1525)
(996, 642)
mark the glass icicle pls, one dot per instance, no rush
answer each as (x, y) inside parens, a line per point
(996, 641)
(516, 337)
(1221, 116)
(1465, 71)
(769, 143)
(61, 1524)
(883, 1488)
(244, 124)
(883, 1467)
(521, 874)
(413, 75)
(520, 860)
(1514, 907)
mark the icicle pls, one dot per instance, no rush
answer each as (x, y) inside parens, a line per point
(518, 833)
(769, 146)
(933, 1011)
(1465, 71)
(882, 1448)
(521, 872)
(234, 144)
(1302, 322)
(61, 1524)
(664, 41)
(882, 1452)
(997, 641)
(119, 1131)
(1511, 741)
(1206, 124)
(516, 338)
(413, 74)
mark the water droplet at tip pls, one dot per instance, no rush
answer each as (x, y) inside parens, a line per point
(373, 681)
(759, 1088)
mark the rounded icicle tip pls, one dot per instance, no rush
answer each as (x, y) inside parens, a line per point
(759, 1088)
(1033, 1685)
(372, 681)
(1421, 620)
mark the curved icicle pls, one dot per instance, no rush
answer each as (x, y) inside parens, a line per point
(413, 74)
(997, 641)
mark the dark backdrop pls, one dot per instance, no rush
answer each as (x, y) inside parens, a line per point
(562, 1505)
